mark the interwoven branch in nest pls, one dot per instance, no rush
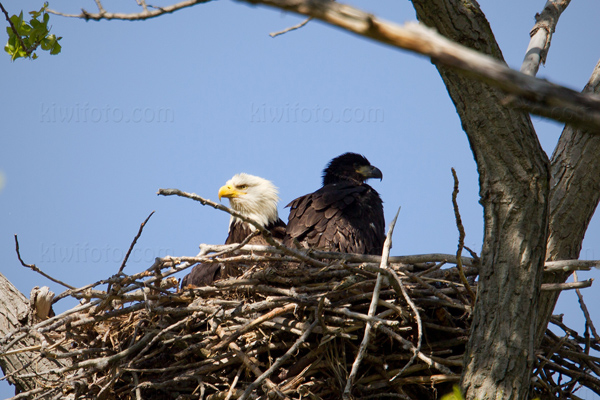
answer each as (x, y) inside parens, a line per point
(289, 327)
(284, 329)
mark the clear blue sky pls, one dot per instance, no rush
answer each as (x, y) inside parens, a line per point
(189, 99)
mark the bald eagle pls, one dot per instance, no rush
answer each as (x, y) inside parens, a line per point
(255, 198)
(345, 215)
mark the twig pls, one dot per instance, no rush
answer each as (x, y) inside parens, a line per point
(412, 305)
(135, 239)
(584, 309)
(438, 292)
(132, 245)
(36, 269)
(279, 361)
(387, 245)
(534, 95)
(541, 35)
(291, 28)
(258, 321)
(461, 239)
(266, 234)
(566, 286)
(348, 257)
(570, 265)
(146, 14)
(255, 370)
(235, 381)
(409, 346)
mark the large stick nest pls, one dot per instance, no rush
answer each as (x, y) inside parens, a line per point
(285, 329)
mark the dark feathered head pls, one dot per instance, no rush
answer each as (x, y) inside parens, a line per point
(350, 167)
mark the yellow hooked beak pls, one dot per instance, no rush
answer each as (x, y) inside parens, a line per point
(229, 192)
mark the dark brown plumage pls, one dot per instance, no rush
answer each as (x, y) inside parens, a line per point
(253, 197)
(345, 215)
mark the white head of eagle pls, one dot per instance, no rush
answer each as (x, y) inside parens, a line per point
(253, 197)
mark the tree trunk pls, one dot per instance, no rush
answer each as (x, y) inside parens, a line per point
(514, 190)
(15, 313)
(574, 195)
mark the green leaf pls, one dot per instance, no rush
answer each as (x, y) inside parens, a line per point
(32, 34)
(56, 49)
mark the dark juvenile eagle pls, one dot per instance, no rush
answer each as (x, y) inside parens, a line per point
(345, 215)
(255, 198)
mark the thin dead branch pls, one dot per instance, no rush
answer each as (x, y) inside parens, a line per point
(541, 36)
(387, 245)
(461, 238)
(536, 96)
(291, 28)
(36, 269)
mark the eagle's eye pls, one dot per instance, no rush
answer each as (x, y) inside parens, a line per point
(242, 187)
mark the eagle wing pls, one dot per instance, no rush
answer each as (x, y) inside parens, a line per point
(341, 217)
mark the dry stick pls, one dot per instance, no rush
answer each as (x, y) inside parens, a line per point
(291, 28)
(541, 35)
(207, 253)
(135, 239)
(461, 239)
(255, 370)
(536, 95)
(257, 321)
(235, 246)
(438, 292)
(348, 257)
(588, 319)
(36, 269)
(235, 381)
(550, 266)
(566, 286)
(136, 384)
(387, 245)
(412, 305)
(155, 339)
(279, 361)
(570, 265)
(409, 346)
(146, 14)
(266, 234)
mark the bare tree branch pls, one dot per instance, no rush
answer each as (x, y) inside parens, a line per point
(33, 267)
(387, 245)
(536, 96)
(146, 14)
(574, 167)
(541, 35)
(291, 28)
(266, 234)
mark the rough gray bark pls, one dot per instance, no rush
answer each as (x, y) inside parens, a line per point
(514, 187)
(574, 195)
(14, 312)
